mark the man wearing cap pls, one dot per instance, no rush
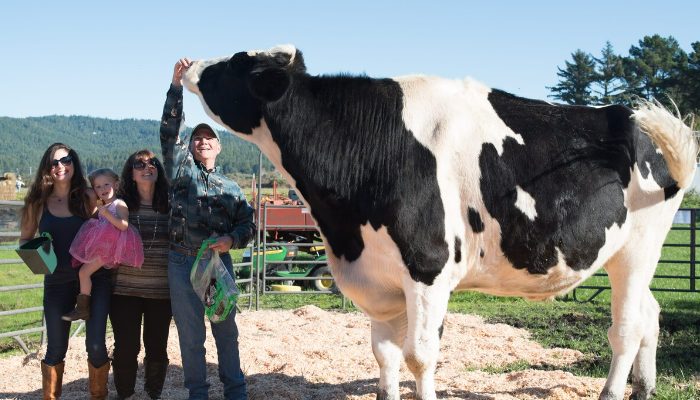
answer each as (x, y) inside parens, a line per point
(204, 204)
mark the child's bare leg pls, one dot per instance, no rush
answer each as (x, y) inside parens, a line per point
(85, 276)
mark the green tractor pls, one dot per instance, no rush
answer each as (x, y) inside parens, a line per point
(285, 220)
(318, 269)
(276, 257)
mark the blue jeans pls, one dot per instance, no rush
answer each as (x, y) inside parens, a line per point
(188, 312)
(59, 299)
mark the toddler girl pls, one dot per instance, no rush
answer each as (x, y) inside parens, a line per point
(108, 241)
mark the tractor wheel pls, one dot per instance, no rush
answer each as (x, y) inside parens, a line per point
(324, 284)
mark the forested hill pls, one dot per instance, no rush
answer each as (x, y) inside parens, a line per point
(101, 143)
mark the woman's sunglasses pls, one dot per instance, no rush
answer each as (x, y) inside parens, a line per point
(141, 165)
(67, 160)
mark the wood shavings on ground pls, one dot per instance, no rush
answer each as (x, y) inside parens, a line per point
(309, 353)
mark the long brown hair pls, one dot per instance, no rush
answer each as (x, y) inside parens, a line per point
(129, 192)
(41, 188)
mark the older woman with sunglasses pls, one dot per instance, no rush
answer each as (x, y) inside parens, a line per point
(58, 202)
(143, 293)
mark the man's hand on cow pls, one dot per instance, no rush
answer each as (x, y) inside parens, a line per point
(223, 244)
(180, 67)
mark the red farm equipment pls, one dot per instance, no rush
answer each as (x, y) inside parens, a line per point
(287, 224)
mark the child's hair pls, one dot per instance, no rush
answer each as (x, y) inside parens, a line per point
(102, 172)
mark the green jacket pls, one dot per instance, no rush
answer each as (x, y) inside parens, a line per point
(202, 203)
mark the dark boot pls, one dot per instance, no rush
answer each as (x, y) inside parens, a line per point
(52, 380)
(154, 377)
(124, 378)
(97, 381)
(81, 311)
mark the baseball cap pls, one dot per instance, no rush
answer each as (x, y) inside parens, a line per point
(204, 126)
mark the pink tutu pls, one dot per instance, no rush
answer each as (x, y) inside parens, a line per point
(99, 239)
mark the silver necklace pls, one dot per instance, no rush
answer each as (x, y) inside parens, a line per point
(155, 230)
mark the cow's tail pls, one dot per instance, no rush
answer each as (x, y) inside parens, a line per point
(677, 141)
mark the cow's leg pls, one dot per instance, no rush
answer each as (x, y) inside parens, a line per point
(644, 367)
(634, 327)
(387, 341)
(426, 307)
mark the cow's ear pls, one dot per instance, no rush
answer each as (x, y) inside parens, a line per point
(269, 84)
(240, 63)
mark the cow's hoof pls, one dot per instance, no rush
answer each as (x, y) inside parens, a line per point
(642, 393)
(643, 389)
(384, 395)
(608, 395)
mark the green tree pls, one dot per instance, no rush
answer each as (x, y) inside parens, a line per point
(654, 68)
(609, 85)
(101, 143)
(574, 87)
(691, 81)
(691, 199)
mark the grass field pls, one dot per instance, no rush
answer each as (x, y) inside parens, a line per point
(561, 323)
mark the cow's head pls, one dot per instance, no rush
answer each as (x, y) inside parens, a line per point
(234, 89)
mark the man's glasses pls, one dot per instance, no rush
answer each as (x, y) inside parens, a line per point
(67, 160)
(141, 165)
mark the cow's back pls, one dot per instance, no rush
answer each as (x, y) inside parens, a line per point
(546, 192)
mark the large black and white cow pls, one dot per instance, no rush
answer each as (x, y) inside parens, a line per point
(422, 185)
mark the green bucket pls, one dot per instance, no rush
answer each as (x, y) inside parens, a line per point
(38, 254)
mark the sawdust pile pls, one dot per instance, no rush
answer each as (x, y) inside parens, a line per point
(309, 353)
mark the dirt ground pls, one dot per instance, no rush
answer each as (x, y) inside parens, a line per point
(309, 353)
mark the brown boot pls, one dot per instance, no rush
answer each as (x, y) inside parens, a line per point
(81, 311)
(52, 380)
(97, 381)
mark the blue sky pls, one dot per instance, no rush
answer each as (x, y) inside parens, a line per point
(115, 59)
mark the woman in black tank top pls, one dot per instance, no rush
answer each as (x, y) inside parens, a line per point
(58, 202)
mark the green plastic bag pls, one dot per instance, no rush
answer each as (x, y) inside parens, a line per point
(213, 284)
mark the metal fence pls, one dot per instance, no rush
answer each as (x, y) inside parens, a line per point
(667, 277)
(289, 229)
(17, 334)
(264, 277)
(9, 233)
(251, 287)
